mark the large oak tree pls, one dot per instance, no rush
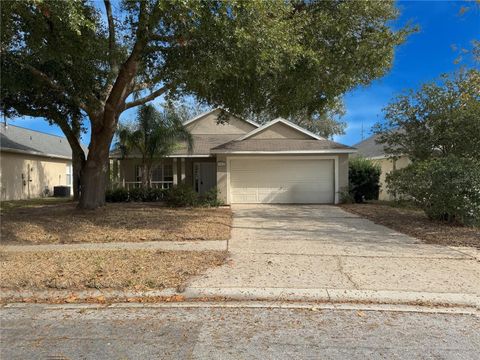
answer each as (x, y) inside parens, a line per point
(69, 61)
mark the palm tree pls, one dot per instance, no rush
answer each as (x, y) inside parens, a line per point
(154, 135)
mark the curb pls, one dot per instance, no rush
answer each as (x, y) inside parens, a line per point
(337, 296)
(251, 294)
(312, 306)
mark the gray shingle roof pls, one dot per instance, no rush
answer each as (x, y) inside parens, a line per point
(202, 144)
(280, 145)
(369, 148)
(22, 140)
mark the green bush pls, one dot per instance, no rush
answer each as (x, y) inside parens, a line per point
(210, 198)
(135, 194)
(346, 196)
(154, 194)
(363, 177)
(181, 195)
(116, 195)
(178, 196)
(184, 196)
(446, 188)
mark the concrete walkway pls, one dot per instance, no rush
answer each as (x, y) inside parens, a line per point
(308, 249)
(146, 245)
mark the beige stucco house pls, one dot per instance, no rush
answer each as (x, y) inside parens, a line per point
(32, 163)
(278, 162)
(370, 149)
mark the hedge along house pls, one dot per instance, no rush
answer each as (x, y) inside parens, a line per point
(372, 150)
(279, 162)
(32, 163)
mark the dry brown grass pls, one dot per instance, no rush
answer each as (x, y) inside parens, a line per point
(103, 269)
(132, 222)
(415, 223)
(10, 205)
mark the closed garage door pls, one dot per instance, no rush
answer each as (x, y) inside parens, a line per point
(281, 181)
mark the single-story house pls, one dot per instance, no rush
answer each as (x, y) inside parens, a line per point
(372, 150)
(32, 163)
(279, 162)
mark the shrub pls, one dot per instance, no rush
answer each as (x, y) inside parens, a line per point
(363, 177)
(184, 196)
(181, 195)
(446, 188)
(154, 194)
(116, 195)
(136, 194)
(346, 196)
(210, 198)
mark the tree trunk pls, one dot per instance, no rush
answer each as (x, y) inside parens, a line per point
(72, 133)
(78, 162)
(95, 172)
(149, 176)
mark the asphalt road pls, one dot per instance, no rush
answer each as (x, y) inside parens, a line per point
(42, 332)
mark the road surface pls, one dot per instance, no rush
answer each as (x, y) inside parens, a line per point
(132, 332)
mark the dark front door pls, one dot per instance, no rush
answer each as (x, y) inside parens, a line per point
(205, 176)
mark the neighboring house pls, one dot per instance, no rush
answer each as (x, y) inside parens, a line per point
(278, 162)
(370, 149)
(32, 163)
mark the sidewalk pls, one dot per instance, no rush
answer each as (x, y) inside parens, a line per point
(147, 245)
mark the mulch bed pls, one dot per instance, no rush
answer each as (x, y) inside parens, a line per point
(415, 223)
(130, 222)
(103, 269)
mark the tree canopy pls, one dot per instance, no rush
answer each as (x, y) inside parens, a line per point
(283, 57)
(441, 119)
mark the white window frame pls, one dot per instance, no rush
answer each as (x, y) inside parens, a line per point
(69, 175)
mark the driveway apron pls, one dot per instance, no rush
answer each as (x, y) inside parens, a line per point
(324, 247)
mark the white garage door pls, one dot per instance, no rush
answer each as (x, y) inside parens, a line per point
(281, 181)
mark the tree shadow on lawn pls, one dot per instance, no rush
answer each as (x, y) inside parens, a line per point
(130, 222)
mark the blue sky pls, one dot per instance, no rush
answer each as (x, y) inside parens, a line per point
(423, 57)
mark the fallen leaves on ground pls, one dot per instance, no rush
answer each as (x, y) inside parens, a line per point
(130, 222)
(103, 269)
(415, 223)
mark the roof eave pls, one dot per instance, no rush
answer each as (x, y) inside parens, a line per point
(283, 152)
(34, 153)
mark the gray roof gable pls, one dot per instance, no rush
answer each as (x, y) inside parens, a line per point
(369, 147)
(21, 140)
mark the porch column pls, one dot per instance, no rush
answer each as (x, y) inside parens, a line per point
(182, 170)
(175, 172)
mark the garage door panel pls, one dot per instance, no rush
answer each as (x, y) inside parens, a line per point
(281, 181)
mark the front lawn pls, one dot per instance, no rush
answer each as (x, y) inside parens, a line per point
(9, 205)
(414, 222)
(131, 222)
(103, 269)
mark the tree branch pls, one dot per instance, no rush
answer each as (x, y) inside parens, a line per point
(69, 131)
(150, 97)
(111, 31)
(128, 70)
(52, 84)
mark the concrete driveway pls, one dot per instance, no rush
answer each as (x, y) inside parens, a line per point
(307, 249)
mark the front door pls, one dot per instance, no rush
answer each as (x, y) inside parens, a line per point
(205, 176)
